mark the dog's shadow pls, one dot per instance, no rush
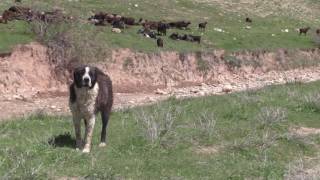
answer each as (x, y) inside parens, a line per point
(62, 140)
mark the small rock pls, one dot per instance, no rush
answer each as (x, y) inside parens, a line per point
(161, 92)
(218, 29)
(18, 97)
(150, 99)
(116, 30)
(194, 90)
(227, 89)
(204, 84)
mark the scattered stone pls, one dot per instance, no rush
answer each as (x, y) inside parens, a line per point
(116, 30)
(161, 92)
(19, 97)
(218, 30)
(227, 89)
(150, 99)
(194, 90)
(206, 150)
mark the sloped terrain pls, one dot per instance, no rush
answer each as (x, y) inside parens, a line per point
(226, 29)
(31, 84)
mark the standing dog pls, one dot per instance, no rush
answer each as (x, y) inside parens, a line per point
(90, 93)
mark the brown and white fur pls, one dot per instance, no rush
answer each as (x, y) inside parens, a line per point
(90, 93)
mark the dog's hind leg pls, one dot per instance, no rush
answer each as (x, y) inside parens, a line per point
(77, 128)
(105, 119)
(89, 133)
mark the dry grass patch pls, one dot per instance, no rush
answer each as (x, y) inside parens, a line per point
(303, 169)
(305, 131)
(206, 150)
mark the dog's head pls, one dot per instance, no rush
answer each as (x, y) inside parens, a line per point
(85, 76)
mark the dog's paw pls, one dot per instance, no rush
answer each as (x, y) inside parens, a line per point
(86, 150)
(102, 144)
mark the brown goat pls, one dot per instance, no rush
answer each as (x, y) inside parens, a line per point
(150, 24)
(304, 30)
(160, 42)
(202, 26)
(248, 20)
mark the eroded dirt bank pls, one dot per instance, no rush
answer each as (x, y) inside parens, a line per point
(28, 81)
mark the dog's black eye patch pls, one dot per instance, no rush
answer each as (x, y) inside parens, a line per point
(77, 75)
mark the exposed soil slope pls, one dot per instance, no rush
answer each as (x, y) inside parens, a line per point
(28, 82)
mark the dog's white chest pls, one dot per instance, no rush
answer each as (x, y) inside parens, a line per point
(86, 101)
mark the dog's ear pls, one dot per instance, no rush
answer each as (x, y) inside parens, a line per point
(93, 75)
(72, 93)
(77, 77)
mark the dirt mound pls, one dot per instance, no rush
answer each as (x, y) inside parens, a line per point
(27, 72)
(29, 84)
(136, 72)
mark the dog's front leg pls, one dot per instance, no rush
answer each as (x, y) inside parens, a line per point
(77, 128)
(89, 132)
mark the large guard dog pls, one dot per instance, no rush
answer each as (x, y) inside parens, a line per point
(90, 93)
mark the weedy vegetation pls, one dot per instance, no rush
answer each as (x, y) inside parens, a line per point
(251, 133)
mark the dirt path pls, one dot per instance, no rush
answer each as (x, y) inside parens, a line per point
(20, 106)
(57, 103)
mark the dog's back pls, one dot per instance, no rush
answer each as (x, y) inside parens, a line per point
(105, 96)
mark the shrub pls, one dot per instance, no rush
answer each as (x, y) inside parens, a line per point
(127, 64)
(312, 102)
(203, 65)
(272, 115)
(206, 123)
(158, 123)
(232, 62)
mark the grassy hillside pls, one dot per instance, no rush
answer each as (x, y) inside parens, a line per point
(269, 17)
(237, 136)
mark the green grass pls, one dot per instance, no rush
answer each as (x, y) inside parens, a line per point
(251, 144)
(13, 34)
(236, 37)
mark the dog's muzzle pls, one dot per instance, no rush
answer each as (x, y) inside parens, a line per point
(86, 82)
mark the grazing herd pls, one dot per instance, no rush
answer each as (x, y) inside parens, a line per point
(149, 29)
